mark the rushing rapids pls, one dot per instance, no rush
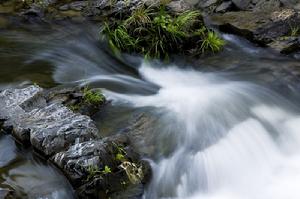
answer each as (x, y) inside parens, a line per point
(233, 139)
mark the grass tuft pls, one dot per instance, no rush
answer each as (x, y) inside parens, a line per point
(92, 97)
(156, 33)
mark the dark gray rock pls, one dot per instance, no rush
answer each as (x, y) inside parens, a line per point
(261, 27)
(242, 4)
(7, 193)
(178, 6)
(224, 7)
(49, 128)
(257, 5)
(290, 3)
(55, 127)
(97, 168)
(286, 45)
(86, 162)
(209, 3)
(76, 5)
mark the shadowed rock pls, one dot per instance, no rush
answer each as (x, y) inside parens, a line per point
(107, 166)
(263, 27)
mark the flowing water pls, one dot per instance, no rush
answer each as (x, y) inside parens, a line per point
(227, 127)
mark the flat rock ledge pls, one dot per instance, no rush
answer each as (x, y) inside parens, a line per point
(96, 167)
(267, 28)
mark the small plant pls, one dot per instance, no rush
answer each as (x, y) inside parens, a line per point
(121, 153)
(120, 157)
(92, 97)
(212, 42)
(93, 171)
(295, 31)
(106, 170)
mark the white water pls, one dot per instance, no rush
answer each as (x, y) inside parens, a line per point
(235, 140)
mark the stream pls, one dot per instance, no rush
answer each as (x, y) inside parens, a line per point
(226, 127)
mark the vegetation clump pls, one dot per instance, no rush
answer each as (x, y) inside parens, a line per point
(295, 31)
(156, 33)
(92, 97)
(93, 171)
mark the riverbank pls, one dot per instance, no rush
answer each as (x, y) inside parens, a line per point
(273, 24)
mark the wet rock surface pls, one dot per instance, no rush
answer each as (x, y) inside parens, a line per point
(265, 28)
(49, 128)
(96, 167)
(7, 193)
(101, 164)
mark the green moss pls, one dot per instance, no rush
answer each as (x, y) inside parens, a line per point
(92, 97)
(155, 33)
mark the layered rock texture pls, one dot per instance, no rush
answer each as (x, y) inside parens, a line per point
(96, 167)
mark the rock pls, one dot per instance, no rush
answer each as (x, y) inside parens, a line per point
(265, 5)
(260, 27)
(224, 7)
(48, 127)
(76, 5)
(99, 166)
(178, 6)
(257, 5)
(7, 193)
(290, 3)
(209, 3)
(286, 45)
(55, 127)
(242, 4)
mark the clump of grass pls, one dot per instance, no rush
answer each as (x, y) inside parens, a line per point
(120, 153)
(92, 97)
(211, 42)
(295, 31)
(156, 33)
(94, 171)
